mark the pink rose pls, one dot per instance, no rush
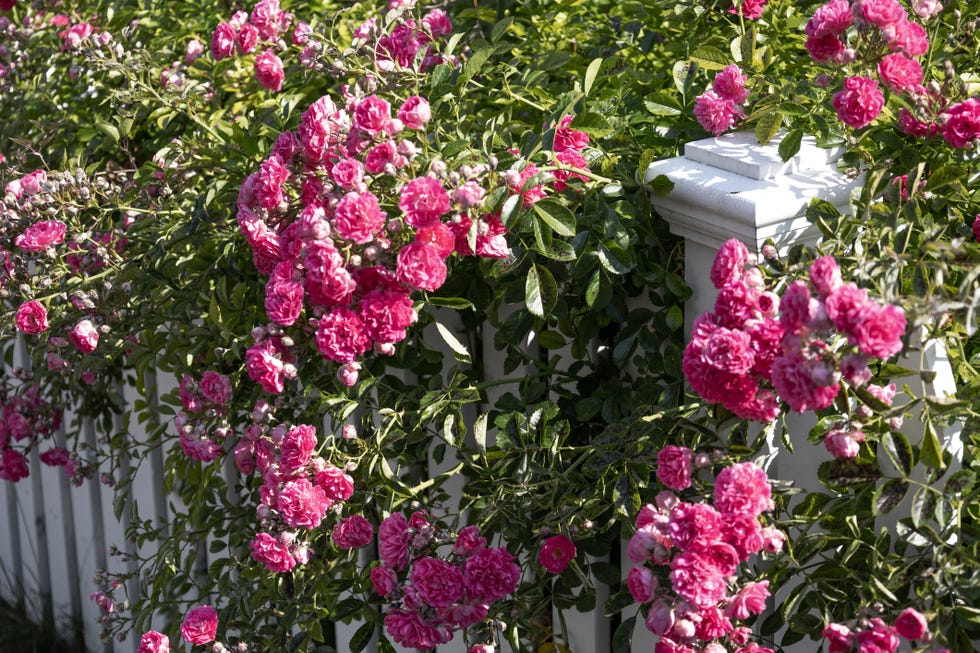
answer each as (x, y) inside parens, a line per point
(859, 103)
(352, 533)
(911, 624)
(749, 601)
(32, 317)
(695, 579)
(248, 38)
(372, 115)
(409, 630)
(840, 444)
(297, 448)
(975, 227)
(556, 552)
(216, 388)
(40, 236)
(269, 71)
(154, 642)
(438, 23)
(469, 541)
(383, 579)
(880, 333)
(824, 47)
(200, 625)
(729, 84)
(674, 467)
(393, 539)
(899, 73)
(694, 526)
(742, 489)
(348, 173)
(438, 236)
(832, 18)
(439, 583)
(13, 465)
(57, 457)
(271, 553)
(641, 583)
(223, 41)
(267, 17)
(660, 618)
(84, 336)
(379, 156)
(302, 504)
(568, 139)
(194, 50)
(337, 483)
(102, 601)
(729, 263)
(716, 114)
(420, 266)
(908, 37)
(882, 13)
(340, 336)
(283, 301)
(962, 125)
(386, 313)
(751, 9)
(424, 201)
(490, 574)
(358, 217)
(825, 275)
(880, 638)
(415, 112)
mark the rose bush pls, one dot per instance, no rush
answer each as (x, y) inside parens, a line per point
(322, 225)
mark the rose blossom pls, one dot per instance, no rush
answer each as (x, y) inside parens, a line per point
(729, 84)
(84, 336)
(216, 388)
(859, 103)
(421, 266)
(882, 13)
(269, 71)
(641, 583)
(302, 504)
(674, 467)
(749, 601)
(490, 574)
(439, 583)
(372, 115)
(880, 638)
(32, 317)
(352, 532)
(297, 449)
(223, 41)
(962, 124)
(975, 227)
(840, 444)
(248, 38)
(750, 9)
(271, 553)
(154, 642)
(424, 201)
(911, 624)
(556, 552)
(383, 579)
(40, 236)
(393, 539)
(729, 263)
(694, 526)
(742, 489)
(880, 333)
(715, 113)
(337, 483)
(340, 336)
(900, 73)
(200, 625)
(358, 217)
(415, 112)
(910, 38)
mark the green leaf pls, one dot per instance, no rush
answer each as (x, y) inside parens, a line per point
(790, 145)
(109, 130)
(614, 258)
(662, 104)
(590, 74)
(592, 290)
(768, 126)
(556, 216)
(473, 64)
(593, 124)
(480, 434)
(551, 340)
(923, 506)
(890, 495)
(540, 291)
(623, 637)
(847, 472)
(362, 638)
(931, 452)
(710, 58)
(661, 185)
(510, 206)
(675, 318)
(683, 73)
(459, 349)
(457, 303)
(501, 28)
(899, 450)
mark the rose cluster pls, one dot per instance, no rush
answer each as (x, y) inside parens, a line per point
(874, 635)
(27, 418)
(730, 355)
(203, 402)
(404, 43)
(751, 9)
(801, 344)
(260, 31)
(347, 226)
(720, 108)
(298, 489)
(686, 558)
(429, 594)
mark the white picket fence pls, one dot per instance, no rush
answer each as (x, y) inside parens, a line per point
(54, 537)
